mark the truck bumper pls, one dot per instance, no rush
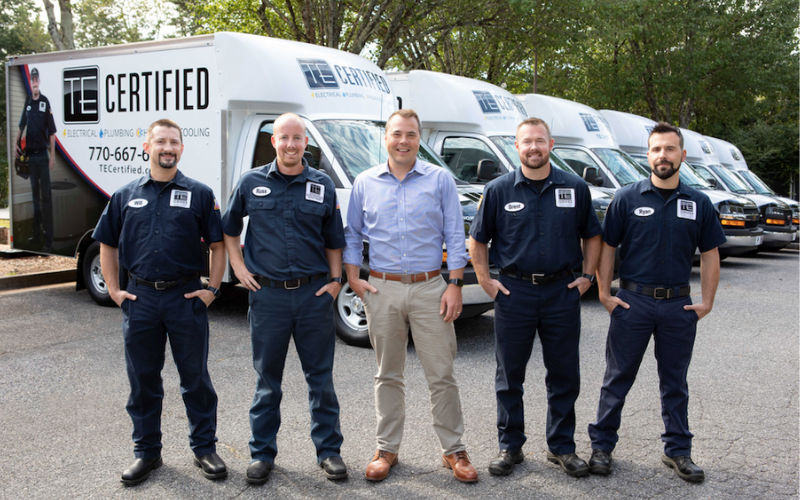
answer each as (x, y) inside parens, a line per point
(777, 238)
(741, 241)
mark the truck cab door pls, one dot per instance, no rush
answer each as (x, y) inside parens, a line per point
(463, 152)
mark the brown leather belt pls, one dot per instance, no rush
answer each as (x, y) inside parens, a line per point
(406, 278)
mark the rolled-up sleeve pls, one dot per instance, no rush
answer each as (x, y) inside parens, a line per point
(354, 238)
(454, 237)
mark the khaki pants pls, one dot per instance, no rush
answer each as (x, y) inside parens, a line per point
(390, 312)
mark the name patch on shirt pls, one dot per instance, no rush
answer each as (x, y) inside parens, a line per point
(137, 203)
(644, 211)
(687, 209)
(181, 199)
(42, 106)
(261, 191)
(315, 192)
(565, 198)
(514, 206)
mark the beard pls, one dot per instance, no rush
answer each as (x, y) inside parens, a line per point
(169, 163)
(536, 163)
(665, 173)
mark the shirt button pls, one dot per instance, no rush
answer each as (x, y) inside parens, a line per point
(158, 213)
(404, 255)
(156, 232)
(541, 234)
(155, 251)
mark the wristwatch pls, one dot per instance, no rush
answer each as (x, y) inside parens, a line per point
(589, 277)
(216, 291)
(337, 279)
(457, 282)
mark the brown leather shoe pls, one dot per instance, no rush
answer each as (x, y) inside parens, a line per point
(378, 469)
(463, 470)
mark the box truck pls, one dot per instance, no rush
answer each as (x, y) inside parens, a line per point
(775, 216)
(225, 90)
(738, 215)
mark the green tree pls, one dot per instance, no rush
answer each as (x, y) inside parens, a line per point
(21, 32)
(108, 22)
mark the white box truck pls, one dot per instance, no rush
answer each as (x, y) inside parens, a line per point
(775, 216)
(738, 215)
(733, 159)
(225, 90)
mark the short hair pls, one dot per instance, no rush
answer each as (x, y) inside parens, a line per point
(406, 113)
(535, 121)
(164, 122)
(289, 117)
(665, 128)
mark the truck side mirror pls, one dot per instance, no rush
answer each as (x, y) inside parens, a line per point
(309, 158)
(590, 175)
(487, 170)
(713, 182)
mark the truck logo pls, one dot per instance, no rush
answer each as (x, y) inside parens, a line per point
(318, 73)
(590, 123)
(80, 95)
(514, 206)
(261, 191)
(137, 203)
(487, 101)
(644, 211)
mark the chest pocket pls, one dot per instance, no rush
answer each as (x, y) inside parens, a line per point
(137, 222)
(312, 209)
(685, 235)
(263, 215)
(565, 221)
(645, 230)
(182, 223)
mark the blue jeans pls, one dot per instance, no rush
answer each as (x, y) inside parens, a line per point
(275, 316)
(673, 330)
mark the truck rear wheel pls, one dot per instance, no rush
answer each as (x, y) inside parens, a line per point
(350, 318)
(93, 276)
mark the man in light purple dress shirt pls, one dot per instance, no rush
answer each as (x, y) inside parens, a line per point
(406, 209)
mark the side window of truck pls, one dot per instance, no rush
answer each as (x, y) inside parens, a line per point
(462, 155)
(265, 152)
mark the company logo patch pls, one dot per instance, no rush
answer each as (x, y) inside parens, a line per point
(315, 192)
(261, 191)
(644, 211)
(565, 198)
(80, 95)
(181, 199)
(687, 209)
(514, 206)
(137, 203)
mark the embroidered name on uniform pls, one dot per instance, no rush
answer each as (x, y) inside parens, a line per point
(137, 203)
(644, 211)
(565, 198)
(514, 206)
(315, 192)
(687, 209)
(261, 191)
(182, 199)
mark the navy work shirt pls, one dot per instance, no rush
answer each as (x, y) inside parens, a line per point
(291, 223)
(658, 238)
(536, 233)
(158, 231)
(38, 117)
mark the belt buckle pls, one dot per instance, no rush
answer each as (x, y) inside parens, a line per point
(158, 284)
(666, 293)
(406, 279)
(534, 276)
(287, 287)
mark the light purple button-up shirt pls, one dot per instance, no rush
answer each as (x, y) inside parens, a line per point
(405, 222)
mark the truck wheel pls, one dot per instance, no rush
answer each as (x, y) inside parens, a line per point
(93, 276)
(350, 318)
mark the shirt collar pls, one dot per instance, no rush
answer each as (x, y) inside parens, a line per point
(179, 180)
(273, 171)
(647, 185)
(383, 169)
(555, 176)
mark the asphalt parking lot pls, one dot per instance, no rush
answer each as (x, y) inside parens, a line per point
(66, 434)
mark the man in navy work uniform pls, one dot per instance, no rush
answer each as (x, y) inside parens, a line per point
(152, 230)
(40, 146)
(535, 218)
(406, 208)
(659, 223)
(294, 239)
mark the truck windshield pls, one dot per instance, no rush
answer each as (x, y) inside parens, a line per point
(621, 165)
(505, 143)
(756, 182)
(359, 145)
(730, 180)
(692, 178)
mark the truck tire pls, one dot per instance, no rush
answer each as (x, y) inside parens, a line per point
(93, 277)
(350, 319)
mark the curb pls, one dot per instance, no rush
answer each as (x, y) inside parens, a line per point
(37, 279)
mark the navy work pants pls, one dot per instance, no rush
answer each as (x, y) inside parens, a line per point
(39, 166)
(673, 329)
(147, 323)
(275, 316)
(554, 311)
